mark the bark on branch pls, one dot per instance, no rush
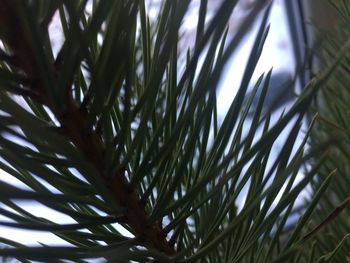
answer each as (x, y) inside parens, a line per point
(74, 124)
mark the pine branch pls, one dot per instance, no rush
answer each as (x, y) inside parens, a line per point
(74, 126)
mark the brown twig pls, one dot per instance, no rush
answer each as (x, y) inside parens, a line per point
(74, 124)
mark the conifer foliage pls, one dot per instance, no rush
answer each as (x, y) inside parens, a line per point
(116, 132)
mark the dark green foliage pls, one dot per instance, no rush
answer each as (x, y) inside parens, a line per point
(113, 131)
(332, 105)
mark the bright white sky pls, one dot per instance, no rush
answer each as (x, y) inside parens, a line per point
(277, 54)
